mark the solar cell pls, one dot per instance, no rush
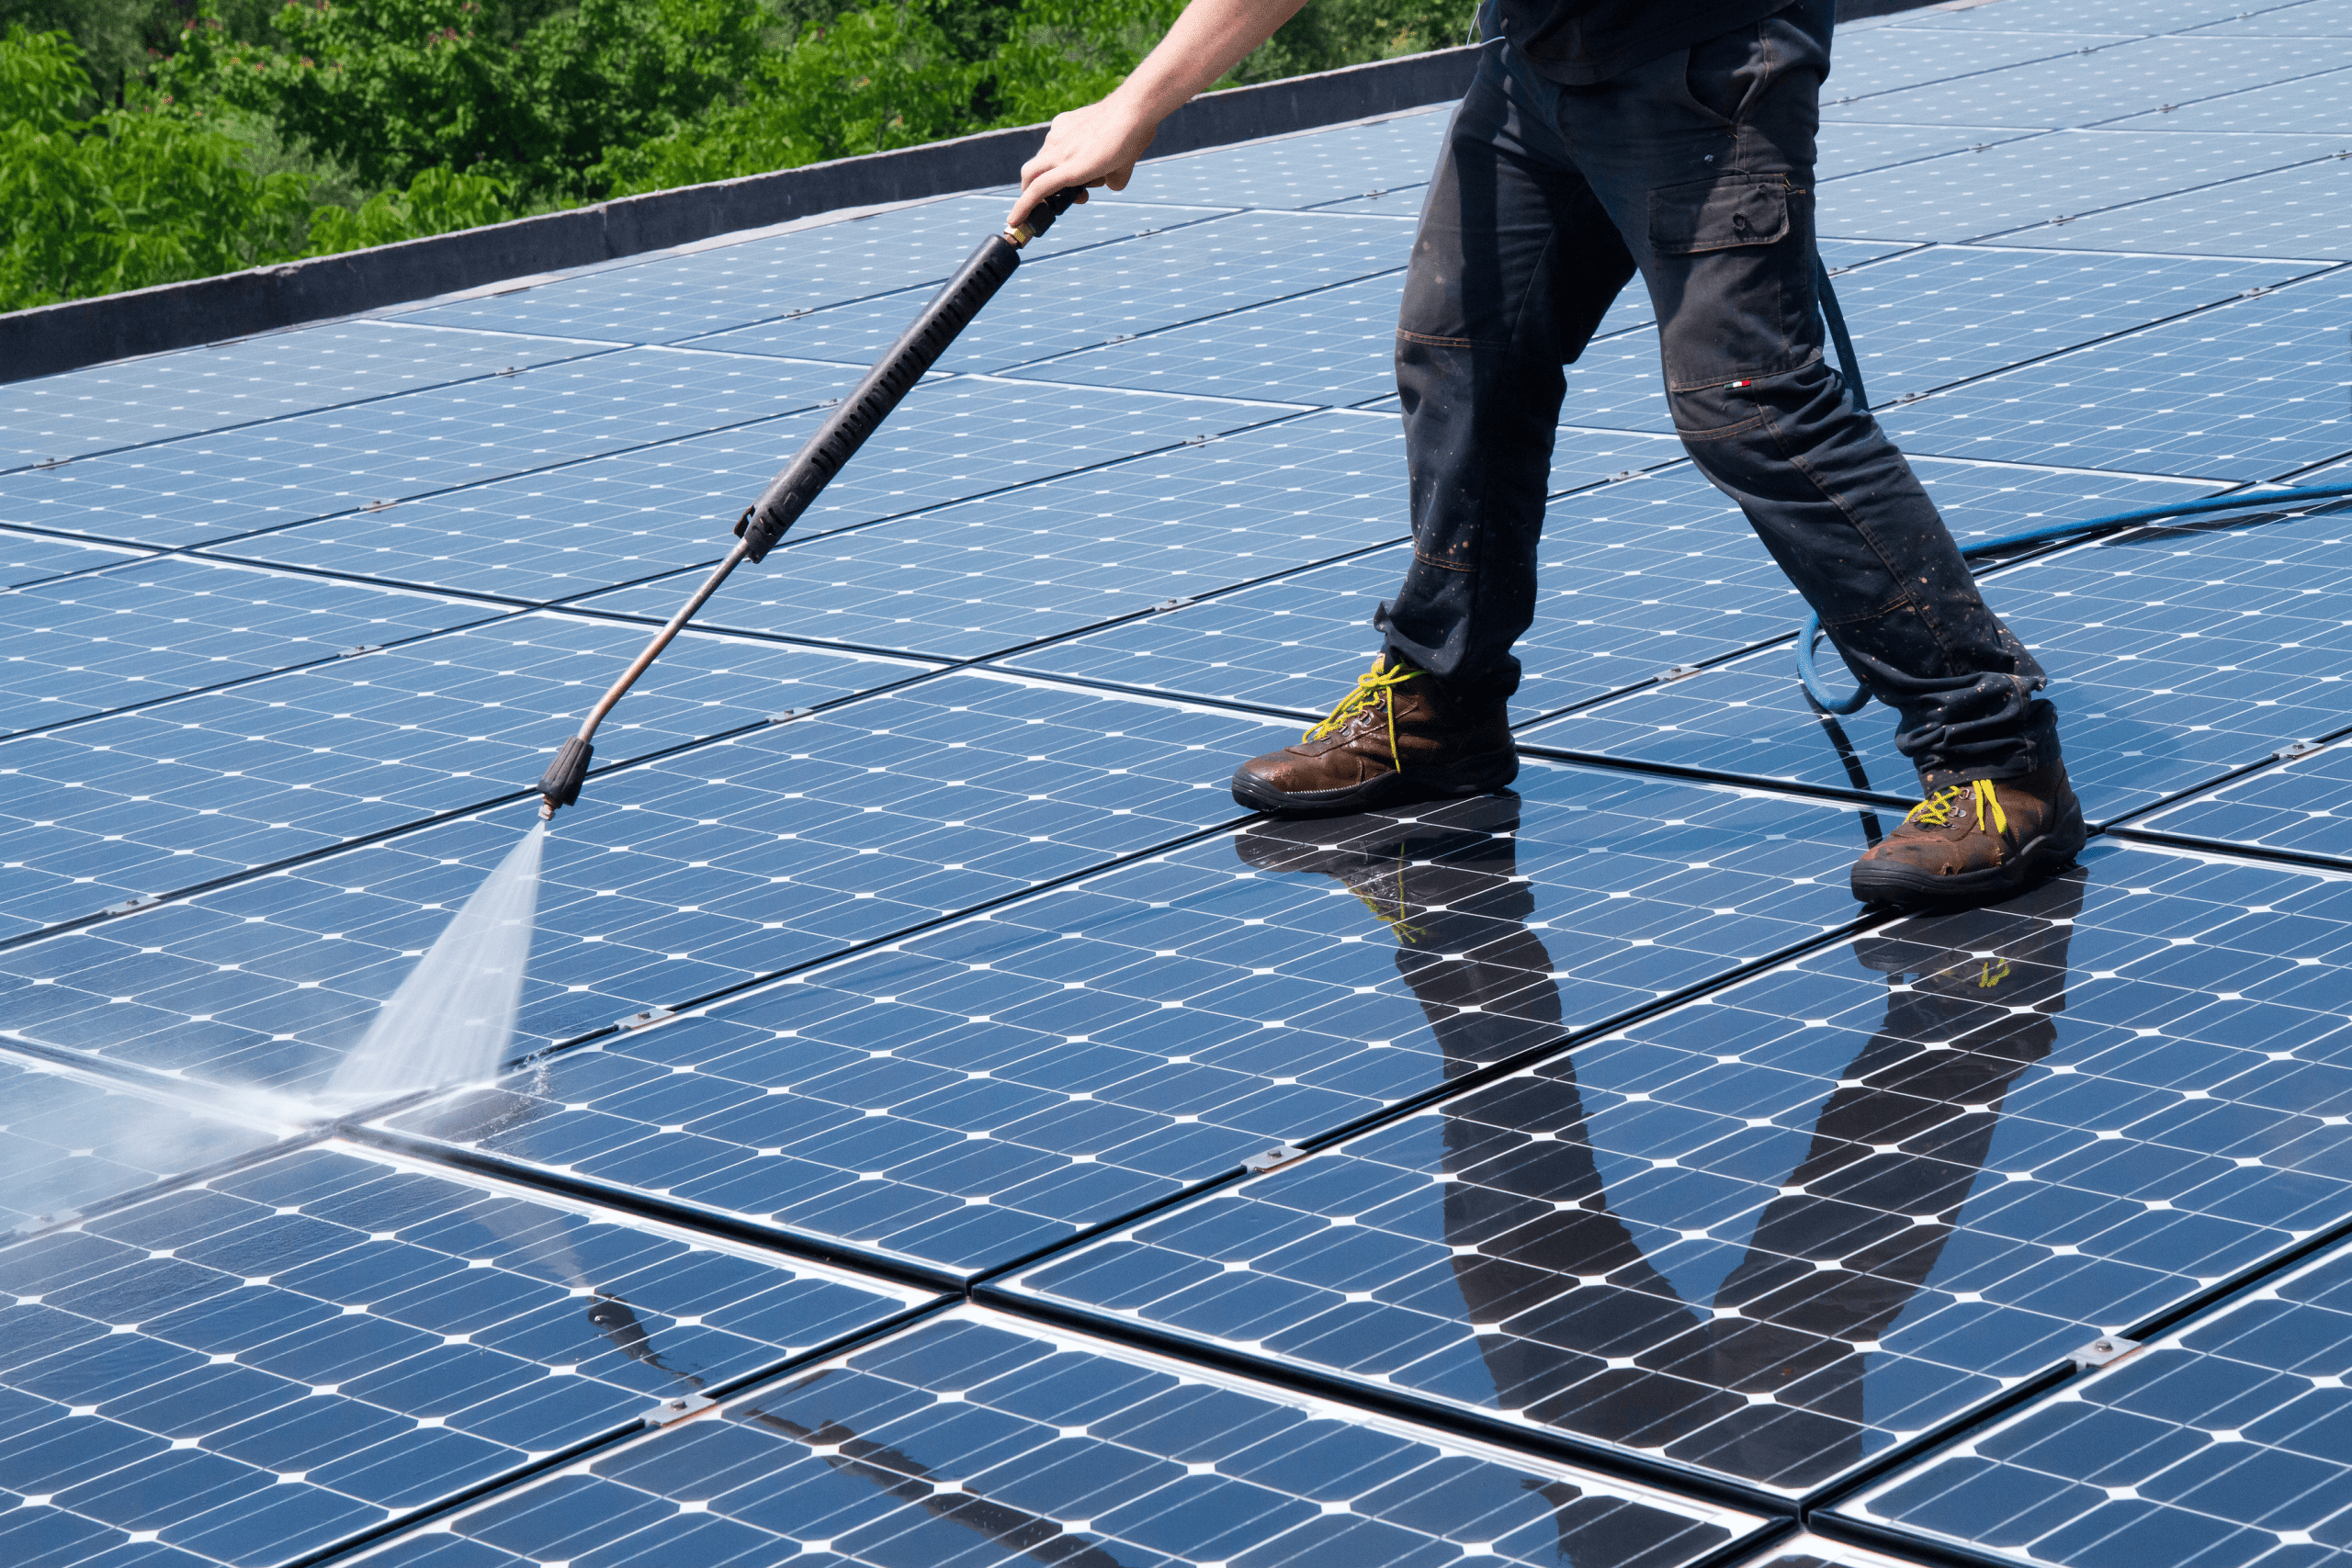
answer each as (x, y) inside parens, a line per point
(2297, 211)
(987, 575)
(1854, 147)
(1780, 1230)
(962, 1098)
(668, 881)
(1882, 60)
(2309, 19)
(1084, 297)
(979, 1439)
(578, 528)
(2175, 657)
(178, 796)
(206, 488)
(70, 1141)
(134, 401)
(1634, 580)
(2303, 806)
(2097, 84)
(1296, 171)
(1810, 1551)
(663, 297)
(31, 558)
(255, 1367)
(152, 629)
(2223, 1443)
(2075, 177)
(2251, 391)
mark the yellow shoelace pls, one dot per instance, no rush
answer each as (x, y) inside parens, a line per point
(1373, 686)
(1937, 809)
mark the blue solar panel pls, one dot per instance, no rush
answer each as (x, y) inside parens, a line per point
(180, 794)
(668, 881)
(1871, 60)
(1774, 1232)
(2303, 806)
(2223, 1443)
(2094, 16)
(1846, 148)
(1950, 312)
(136, 401)
(1405, 202)
(2306, 18)
(2300, 107)
(2298, 211)
(1085, 297)
(991, 574)
(1634, 580)
(710, 288)
(70, 1141)
(32, 557)
(2250, 390)
(2102, 82)
(964, 1097)
(1311, 170)
(980, 1438)
(578, 528)
(215, 487)
(254, 1369)
(154, 628)
(2173, 656)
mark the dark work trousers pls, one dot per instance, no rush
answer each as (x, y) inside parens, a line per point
(1695, 170)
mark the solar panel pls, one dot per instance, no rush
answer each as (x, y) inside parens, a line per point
(73, 1142)
(1084, 297)
(1811, 1551)
(2097, 84)
(1997, 186)
(2175, 658)
(258, 1367)
(34, 557)
(572, 530)
(977, 1437)
(135, 402)
(2109, 16)
(2221, 1443)
(710, 288)
(140, 633)
(2303, 807)
(2295, 211)
(1846, 148)
(2299, 107)
(206, 488)
(1775, 1233)
(962, 1098)
(1882, 60)
(1296, 171)
(990, 574)
(2306, 18)
(1634, 582)
(669, 881)
(178, 796)
(2250, 390)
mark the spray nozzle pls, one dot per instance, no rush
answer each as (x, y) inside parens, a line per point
(560, 785)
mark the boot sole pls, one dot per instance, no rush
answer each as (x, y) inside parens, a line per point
(1388, 789)
(1883, 881)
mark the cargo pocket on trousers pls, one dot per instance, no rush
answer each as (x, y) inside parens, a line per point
(1718, 214)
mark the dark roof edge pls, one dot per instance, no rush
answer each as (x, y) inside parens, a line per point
(75, 333)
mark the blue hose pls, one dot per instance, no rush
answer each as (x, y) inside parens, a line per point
(2270, 500)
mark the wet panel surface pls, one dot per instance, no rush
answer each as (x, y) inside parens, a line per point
(1771, 1234)
(305, 1349)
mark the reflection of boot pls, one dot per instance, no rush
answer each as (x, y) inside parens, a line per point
(1863, 1222)
(1446, 885)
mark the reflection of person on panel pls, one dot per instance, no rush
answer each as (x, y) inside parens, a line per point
(1558, 1285)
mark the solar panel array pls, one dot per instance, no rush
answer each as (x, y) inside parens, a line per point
(942, 1127)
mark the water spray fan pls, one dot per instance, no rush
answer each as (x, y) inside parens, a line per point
(857, 416)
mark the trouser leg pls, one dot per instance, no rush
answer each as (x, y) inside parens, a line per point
(1705, 160)
(1514, 265)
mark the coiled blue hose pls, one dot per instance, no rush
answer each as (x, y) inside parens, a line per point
(2284, 498)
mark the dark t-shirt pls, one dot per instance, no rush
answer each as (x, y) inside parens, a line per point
(1584, 41)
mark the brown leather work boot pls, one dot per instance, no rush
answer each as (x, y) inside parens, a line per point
(1395, 738)
(1976, 842)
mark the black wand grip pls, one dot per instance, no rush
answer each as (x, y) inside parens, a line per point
(862, 411)
(560, 785)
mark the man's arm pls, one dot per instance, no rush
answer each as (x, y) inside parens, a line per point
(1100, 143)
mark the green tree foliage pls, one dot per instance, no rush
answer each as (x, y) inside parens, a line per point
(126, 197)
(172, 139)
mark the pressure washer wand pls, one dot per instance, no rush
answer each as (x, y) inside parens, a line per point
(857, 416)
